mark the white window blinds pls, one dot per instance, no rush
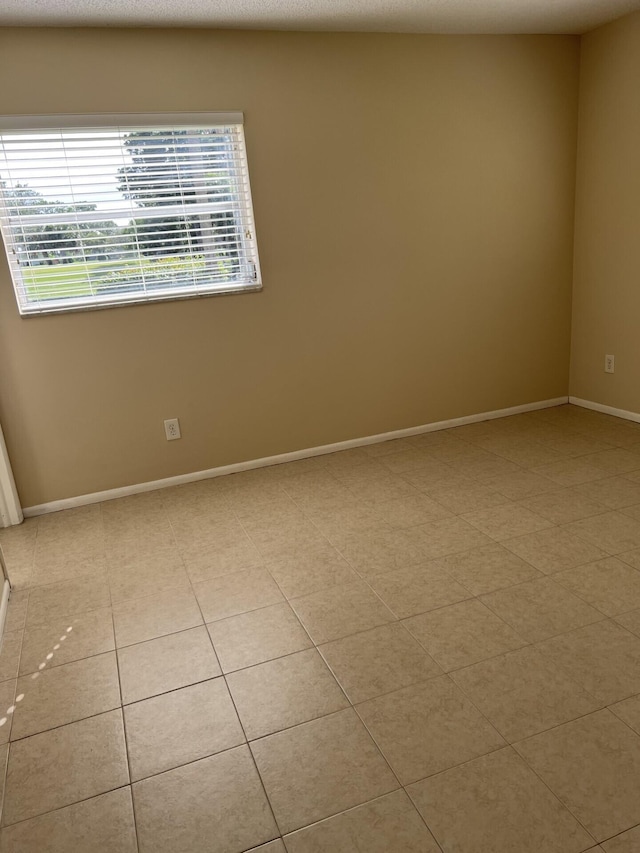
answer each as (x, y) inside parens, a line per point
(106, 210)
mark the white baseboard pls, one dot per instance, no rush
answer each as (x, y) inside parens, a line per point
(180, 479)
(607, 410)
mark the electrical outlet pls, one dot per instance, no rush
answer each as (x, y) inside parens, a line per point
(609, 363)
(172, 429)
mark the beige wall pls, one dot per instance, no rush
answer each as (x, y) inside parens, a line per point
(606, 316)
(414, 209)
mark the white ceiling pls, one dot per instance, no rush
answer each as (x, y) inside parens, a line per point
(402, 16)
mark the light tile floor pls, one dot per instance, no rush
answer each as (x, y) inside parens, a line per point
(427, 645)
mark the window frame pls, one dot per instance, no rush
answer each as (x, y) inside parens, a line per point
(134, 121)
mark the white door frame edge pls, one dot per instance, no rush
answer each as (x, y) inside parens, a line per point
(10, 509)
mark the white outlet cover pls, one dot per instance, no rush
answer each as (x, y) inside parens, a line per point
(172, 429)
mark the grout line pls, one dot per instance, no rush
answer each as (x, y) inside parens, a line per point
(618, 834)
(552, 792)
(61, 808)
(126, 750)
(101, 713)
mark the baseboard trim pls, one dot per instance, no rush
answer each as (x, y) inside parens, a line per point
(181, 479)
(607, 410)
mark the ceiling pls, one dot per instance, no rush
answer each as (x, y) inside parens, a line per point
(401, 16)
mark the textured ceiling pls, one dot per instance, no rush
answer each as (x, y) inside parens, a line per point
(404, 16)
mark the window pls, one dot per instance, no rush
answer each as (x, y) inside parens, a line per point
(113, 209)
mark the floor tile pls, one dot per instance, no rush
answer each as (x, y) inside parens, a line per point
(7, 701)
(136, 577)
(631, 558)
(630, 621)
(553, 550)
(487, 468)
(65, 694)
(380, 488)
(226, 538)
(215, 805)
(407, 592)
(385, 825)
(284, 692)
(519, 485)
(541, 608)
(63, 766)
(488, 568)
(405, 460)
(609, 585)
(378, 661)
(311, 483)
(593, 766)
(424, 479)
(10, 648)
(627, 842)
(91, 634)
(180, 727)
(384, 448)
(632, 511)
(564, 506)
(16, 610)
(144, 540)
(258, 636)
(465, 495)
(614, 492)
(141, 507)
(371, 554)
(603, 658)
(65, 564)
(427, 728)
(506, 808)
(4, 757)
(341, 611)
(450, 536)
(614, 431)
(629, 712)
(104, 823)
(275, 542)
(576, 445)
(335, 521)
(522, 693)
(210, 562)
(507, 521)
(613, 532)
(616, 461)
(195, 500)
(311, 571)
(240, 592)
(167, 663)
(530, 454)
(49, 603)
(154, 616)
(411, 510)
(321, 768)
(462, 634)
(570, 472)
(18, 546)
